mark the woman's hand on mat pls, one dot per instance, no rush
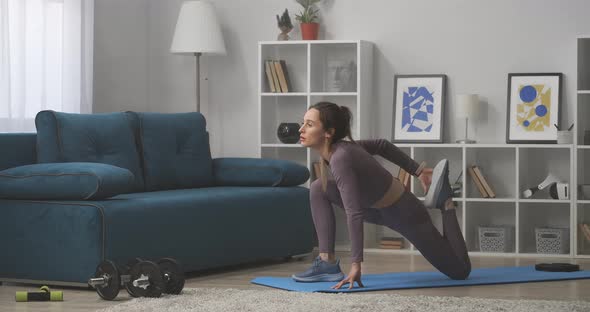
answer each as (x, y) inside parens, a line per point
(425, 178)
(353, 276)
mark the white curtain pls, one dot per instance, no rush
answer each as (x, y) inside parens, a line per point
(45, 59)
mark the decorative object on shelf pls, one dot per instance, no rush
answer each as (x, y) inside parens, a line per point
(419, 104)
(534, 106)
(341, 76)
(197, 31)
(285, 25)
(559, 190)
(308, 19)
(288, 132)
(552, 240)
(550, 180)
(496, 238)
(468, 107)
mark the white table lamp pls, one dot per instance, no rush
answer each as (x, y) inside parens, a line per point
(197, 31)
(467, 107)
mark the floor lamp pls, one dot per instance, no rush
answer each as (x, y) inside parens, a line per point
(197, 32)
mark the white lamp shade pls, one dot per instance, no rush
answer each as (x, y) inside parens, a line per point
(197, 29)
(467, 105)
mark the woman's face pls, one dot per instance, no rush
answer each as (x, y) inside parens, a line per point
(312, 131)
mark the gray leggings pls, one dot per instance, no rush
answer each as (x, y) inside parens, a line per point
(409, 217)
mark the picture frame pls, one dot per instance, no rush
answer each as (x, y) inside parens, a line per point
(419, 104)
(533, 107)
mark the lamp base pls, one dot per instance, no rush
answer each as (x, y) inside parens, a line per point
(466, 141)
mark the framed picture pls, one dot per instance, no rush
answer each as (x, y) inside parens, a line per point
(419, 103)
(534, 107)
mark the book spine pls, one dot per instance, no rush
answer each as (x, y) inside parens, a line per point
(286, 73)
(275, 78)
(269, 77)
(480, 187)
(485, 183)
(281, 76)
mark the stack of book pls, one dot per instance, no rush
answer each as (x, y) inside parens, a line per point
(585, 230)
(391, 243)
(277, 76)
(480, 181)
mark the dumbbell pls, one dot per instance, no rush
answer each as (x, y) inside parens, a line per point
(143, 279)
(172, 275)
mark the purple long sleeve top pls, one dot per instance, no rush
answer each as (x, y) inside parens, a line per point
(362, 180)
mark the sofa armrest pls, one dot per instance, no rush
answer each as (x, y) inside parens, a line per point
(235, 171)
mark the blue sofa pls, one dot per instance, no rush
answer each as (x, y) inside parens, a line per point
(88, 187)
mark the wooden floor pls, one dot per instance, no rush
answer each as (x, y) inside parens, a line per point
(240, 276)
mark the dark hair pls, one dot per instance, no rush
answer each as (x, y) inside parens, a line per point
(337, 117)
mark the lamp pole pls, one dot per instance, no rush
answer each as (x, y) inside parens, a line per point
(198, 78)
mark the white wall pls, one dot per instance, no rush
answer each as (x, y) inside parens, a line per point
(476, 43)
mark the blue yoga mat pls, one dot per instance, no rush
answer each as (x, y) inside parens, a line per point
(406, 280)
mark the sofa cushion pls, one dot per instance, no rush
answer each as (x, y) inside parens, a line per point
(258, 172)
(175, 151)
(106, 138)
(65, 181)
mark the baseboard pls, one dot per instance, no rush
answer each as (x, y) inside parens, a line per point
(42, 282)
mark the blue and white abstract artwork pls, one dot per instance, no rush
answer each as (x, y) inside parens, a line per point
(418, 108)
(419, 105)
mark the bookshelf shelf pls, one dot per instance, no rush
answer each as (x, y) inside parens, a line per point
(283, 145)
(484, 200)
(283, 94)
(546, 201)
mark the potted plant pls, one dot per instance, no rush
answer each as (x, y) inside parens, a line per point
(308, 19)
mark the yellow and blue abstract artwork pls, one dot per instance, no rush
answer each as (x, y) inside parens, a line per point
(532, 110)
(418, 109)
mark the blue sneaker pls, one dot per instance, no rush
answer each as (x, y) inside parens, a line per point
(321, 271)
(440, 189)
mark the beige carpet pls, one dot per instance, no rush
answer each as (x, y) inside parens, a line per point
(227, 300)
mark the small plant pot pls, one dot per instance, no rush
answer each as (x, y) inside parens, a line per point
(309, 31)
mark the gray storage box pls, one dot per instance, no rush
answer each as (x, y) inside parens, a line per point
(496, 238)
(552, 240)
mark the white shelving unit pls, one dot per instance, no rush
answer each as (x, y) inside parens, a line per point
(509, 168)
(307, 69)
(582, 149)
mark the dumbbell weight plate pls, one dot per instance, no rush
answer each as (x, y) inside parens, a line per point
(152, 272)
(130, 264)
(110, 290)
(175, 283)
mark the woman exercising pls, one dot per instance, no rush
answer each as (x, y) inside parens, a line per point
(369, 193)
